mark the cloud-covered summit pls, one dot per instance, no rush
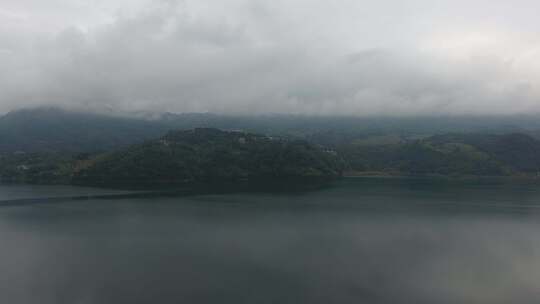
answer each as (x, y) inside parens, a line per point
(254, 56)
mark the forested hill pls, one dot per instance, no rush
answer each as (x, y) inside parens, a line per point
(205, 155)
(53, 145)
(209, 155)
(511, 154)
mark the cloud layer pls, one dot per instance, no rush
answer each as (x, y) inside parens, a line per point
(254, 56)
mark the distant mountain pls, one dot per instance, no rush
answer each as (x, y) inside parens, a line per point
(518, 151)
(449, 154)
(335, 130)
(49, 129)
(54, 129)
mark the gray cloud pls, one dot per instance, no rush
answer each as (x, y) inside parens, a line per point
(239, 56)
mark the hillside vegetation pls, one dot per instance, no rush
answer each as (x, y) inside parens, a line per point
(199, 156)
(50, 145)
(208, 156)
(450, 154)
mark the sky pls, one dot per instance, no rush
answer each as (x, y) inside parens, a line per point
(316, 57)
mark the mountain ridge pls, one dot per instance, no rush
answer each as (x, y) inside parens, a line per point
(53, 129)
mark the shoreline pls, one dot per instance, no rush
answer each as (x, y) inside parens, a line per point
(508, 178)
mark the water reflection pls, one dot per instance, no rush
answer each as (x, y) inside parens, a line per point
(359, 242)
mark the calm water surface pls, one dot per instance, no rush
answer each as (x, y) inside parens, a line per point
(360, 241)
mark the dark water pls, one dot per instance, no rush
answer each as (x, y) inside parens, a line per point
(361, 241)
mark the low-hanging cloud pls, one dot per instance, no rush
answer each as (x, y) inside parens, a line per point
(240, 56)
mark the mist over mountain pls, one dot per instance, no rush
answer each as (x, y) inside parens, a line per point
(48, 129)
(51, 129)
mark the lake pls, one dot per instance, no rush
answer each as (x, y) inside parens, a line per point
(361, 240)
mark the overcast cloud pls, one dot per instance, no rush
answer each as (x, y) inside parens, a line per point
(282, 56)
